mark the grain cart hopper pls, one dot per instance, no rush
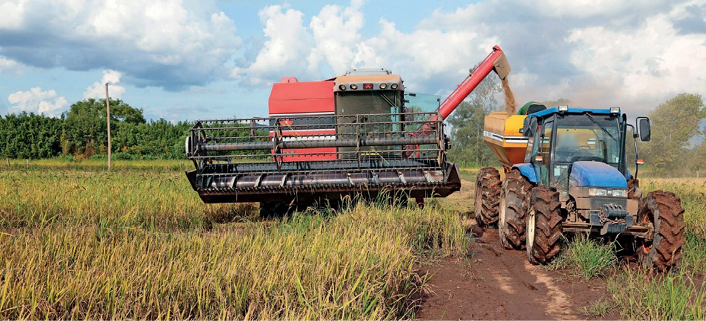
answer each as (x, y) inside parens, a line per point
(574, 179)
(324, 140)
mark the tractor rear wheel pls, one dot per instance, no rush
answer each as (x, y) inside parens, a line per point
(514, 204)
(663, 211)
(487, 196)
(543, 225)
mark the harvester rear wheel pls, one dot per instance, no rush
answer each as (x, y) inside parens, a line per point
(273, 209)
(514, 203)
(664, 212)
(543, 225)
(487, 196)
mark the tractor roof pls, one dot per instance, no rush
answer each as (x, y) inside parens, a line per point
(555, 110)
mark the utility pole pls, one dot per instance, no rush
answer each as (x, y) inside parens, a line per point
(107, 105)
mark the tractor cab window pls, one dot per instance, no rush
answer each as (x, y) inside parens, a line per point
(587, 138)
(544, 146)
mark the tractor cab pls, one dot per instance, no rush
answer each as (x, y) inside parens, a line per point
(582, 154)
(560, 138)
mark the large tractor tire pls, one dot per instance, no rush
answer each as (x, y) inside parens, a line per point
(664, 212)
(487, 197)
(514, 204)
(543, 225)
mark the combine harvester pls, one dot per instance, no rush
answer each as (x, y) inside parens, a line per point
(325, 140)
(565, 171)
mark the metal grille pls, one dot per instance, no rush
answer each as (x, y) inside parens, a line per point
(317, 152)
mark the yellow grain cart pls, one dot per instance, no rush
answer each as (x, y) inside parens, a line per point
(502, 134)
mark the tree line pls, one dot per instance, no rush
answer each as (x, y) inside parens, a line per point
(81, 132)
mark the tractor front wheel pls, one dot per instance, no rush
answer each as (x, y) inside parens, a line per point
(487, 196)
(543, 225)
(514, 203)
(663, 211)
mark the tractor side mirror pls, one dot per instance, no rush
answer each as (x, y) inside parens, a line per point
(529, 126)
(643, 127)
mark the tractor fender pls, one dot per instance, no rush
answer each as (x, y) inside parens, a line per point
(528, 171)
(590, 173)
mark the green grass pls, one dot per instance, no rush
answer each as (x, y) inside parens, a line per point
(641, 295)
(586, 257)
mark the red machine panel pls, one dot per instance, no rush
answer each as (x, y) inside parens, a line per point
(302, 97)
(293, 98)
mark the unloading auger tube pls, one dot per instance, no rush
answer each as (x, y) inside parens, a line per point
(307, 157)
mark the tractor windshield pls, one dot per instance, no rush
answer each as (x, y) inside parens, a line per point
(587, 138)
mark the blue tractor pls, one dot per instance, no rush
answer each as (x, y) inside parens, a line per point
(575, 179)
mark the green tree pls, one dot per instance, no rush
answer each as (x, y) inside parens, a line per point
(674, 123)
(85, 129)
(468, 147)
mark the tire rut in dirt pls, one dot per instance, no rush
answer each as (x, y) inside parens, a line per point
(487, 197)
(515, 200)
(664, 210)
(547, 228)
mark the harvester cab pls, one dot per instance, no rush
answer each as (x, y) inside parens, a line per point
(574, 178)
(324, 140)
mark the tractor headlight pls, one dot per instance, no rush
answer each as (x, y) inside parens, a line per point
(604, 192)
(393, 86)
(354, 87)
(342, 87)
(597, 192)
(383, 86)
(619, 193)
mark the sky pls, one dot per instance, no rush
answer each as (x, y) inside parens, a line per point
(205, 59)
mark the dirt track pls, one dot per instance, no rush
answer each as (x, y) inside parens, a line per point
(495, 283)
(499, 284)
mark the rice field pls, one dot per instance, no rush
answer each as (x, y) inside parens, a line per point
(139, 244)
(80, 242)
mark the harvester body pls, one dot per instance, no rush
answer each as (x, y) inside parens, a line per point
(573, 177)
(348, 135)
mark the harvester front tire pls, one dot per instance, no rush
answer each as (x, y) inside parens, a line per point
(544, 223)
(514, 204)
(487, 196)
(273, 209)
(664, 212)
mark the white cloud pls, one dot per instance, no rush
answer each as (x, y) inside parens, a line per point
(97, 89)
(38, 101)
(284, 53)
(334, 39)
(9, 66)
(644, 65)
(170, 43)
(336, 33)
(12, 14)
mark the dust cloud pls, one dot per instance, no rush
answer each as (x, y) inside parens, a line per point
(509, 97)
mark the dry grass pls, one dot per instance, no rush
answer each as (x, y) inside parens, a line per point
(133, 244)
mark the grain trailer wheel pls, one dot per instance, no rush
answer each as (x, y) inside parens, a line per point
(487, 196)
(543, 225)
(514, 204)
(663, 211)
